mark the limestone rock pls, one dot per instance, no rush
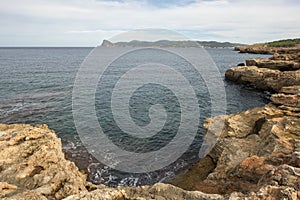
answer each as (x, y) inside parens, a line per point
(255, 49)
(33, 164)
(295, 89)
(257, 154)
(157, 191)
(281, 65)
(6, 188)
(263, 78)
(268, 192)
(291, 100)
(265, 49)
(287, 57)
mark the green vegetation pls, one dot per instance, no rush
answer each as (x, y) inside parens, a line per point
(284, 43)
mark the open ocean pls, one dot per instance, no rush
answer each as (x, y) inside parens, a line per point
(36, 87)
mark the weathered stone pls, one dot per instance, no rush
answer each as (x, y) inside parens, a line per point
(281, 65)
(288, 57)
(263, 78)
(268, 192)
(188, 179)
(265, 49)
(6, 188)
(257, 154)
(32, 160)
(291, 100)
(158, 191)
(295, 89)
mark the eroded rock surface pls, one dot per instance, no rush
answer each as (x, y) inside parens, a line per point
(263, 78)
(32, 165)
(265, 49)
(258, 152)
(282, 65)
(283, 69)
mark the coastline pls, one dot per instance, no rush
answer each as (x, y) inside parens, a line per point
(257, 155)
(258, 145)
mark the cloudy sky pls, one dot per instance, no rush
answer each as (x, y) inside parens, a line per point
(88, 22)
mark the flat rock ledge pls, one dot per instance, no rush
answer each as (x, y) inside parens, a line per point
(271, 74)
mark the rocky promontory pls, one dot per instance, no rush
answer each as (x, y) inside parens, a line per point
(281, 70)
(169, 43)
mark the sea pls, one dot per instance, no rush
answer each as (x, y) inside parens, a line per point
(36, 87)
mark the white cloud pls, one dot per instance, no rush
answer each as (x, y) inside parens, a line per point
(87, 22)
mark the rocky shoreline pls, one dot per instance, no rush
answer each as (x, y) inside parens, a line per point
(258, 152)
(257, 155)
(266, 49)
(271, 74)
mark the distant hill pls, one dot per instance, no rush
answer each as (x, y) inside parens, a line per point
(279, 46)
(167, 43)
(284, 43)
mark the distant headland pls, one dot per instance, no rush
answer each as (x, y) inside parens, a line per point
(168, 43)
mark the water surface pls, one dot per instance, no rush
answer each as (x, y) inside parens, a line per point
(36, 87)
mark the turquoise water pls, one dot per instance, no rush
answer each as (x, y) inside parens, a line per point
(36, 87)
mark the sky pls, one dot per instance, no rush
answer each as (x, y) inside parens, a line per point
(88, 22)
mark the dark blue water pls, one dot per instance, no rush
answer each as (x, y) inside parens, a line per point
(36, 87)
